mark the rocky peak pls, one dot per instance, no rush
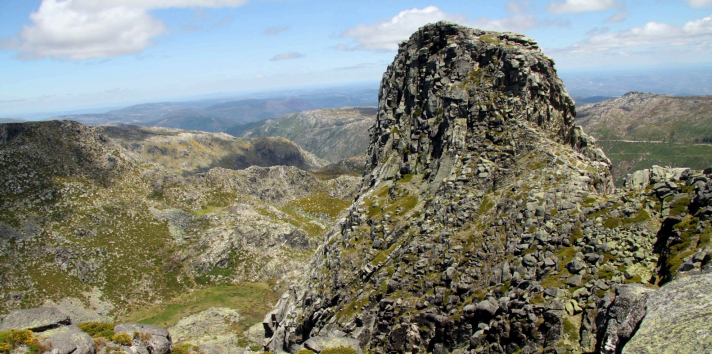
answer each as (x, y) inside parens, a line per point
(448, 81)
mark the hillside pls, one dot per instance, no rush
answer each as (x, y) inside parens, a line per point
(487, 222)
(331, 134)
(649, 117)
(639, 130)
(107, 222)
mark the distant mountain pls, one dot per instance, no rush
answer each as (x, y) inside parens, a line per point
(11, 120)
(331, 134)
(590, 99)
(639, 130)
(649, 117)
(216, 115)
(191, 119)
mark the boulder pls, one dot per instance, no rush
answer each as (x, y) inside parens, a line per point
(36, 319)
(678, 318)
(618, 320)
(157, 341)
(70, 340)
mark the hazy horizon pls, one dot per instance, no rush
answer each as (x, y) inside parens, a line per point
(71, 55)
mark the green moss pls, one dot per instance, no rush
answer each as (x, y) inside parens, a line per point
(612, 223)
(571, 331)
(537, 299)
(596, 214)
(339, 350)
(636, 279)
(486, 205)
(186, 348)
(576, 234)
(679, 207)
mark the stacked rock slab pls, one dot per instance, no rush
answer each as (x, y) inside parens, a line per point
(487, 222)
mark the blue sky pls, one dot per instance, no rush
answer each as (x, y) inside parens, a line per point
(67, 54)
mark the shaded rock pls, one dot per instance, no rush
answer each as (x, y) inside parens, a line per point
(618, 321)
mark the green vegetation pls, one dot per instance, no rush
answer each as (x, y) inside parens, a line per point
(304, 351)
(186, 348)
(122, 338)
(679, 206)
(640, 216)
(570, 330)
(339, 350)
(98, 329)
(252, 300)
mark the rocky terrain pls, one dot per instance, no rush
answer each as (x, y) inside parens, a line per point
(105, 221)
(488, 222)
(331, 134)
(639, 130)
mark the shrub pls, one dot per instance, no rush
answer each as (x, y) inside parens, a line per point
(186, 348)
(121, 338)
(339, 350)
(95, 328)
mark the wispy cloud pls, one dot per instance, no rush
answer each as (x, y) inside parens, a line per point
(287, 56)
(273, 31)
(698, 4)
(85, 29)
(696, 33)
(577, 6)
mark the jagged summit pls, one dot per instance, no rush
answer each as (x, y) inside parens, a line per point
(449, 79)
(473, 173)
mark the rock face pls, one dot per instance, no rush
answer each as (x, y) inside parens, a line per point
(487, 222)
(36, 319)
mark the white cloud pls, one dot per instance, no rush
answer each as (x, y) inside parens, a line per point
(619, 16)
(86, 29)
(576, 6)
(286, 56)
(386, 35)
(698, 4)
(697, 34)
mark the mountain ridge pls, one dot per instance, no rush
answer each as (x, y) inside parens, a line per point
(487, 221)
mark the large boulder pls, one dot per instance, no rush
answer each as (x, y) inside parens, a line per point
(70, 340)
(678, 318)
(36, 319)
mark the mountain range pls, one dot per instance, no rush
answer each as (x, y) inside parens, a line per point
(218, 115)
